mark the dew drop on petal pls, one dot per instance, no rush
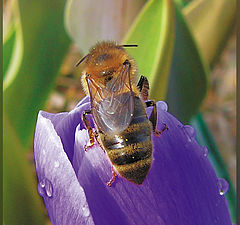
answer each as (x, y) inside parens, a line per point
(45, 188)
(190, 131)
(86, 211)
(49, 188)
(41, 187)
(162, 105)
(205, 151)
(56, 164)
(222, 186)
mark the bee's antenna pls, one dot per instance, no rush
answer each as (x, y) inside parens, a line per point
(81, 60)
(129, 46)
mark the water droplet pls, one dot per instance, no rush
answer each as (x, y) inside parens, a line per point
(56, 164)
(190, 131)
(205, 151)
(162, 105)
(49, 189)
(41, 187)
(45, 188)
(222, 186)
(86, 211)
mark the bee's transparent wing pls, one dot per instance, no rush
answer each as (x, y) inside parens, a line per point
(113, 106)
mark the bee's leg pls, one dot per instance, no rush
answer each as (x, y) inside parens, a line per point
(153, 118)
(114, 175)
(89, 128)
(143, 87)
(96, 134)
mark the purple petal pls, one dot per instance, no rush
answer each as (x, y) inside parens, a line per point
(65, 124)
(64, 198)
(181, 187)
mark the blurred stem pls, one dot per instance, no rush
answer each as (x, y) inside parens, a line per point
(205, 138)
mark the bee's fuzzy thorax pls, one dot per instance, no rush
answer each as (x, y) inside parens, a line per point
(106, 55)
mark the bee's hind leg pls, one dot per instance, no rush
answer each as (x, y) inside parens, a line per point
(143, 87)
(153, 118)
(91, 133)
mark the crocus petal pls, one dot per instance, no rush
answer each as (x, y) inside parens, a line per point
(181, 187)
(58, 185)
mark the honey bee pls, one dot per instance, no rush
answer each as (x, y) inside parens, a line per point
(118, 108)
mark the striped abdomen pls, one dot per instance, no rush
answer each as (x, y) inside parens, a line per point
(131, 151)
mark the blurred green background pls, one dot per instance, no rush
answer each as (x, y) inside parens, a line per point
(187, 49)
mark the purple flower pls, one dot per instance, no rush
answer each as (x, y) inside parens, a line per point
(180, 189)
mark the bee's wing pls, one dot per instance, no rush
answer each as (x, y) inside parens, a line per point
(113, 106)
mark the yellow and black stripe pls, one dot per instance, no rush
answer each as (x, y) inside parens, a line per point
(131, 151)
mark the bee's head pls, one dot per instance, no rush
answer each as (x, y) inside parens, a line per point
(105, 61)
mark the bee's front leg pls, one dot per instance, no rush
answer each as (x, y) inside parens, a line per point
(91, 133)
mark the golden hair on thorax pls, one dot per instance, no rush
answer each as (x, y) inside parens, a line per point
(104, 62)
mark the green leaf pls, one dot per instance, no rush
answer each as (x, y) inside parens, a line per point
(12, 48)
(8, 45)
(183, 3)
(188, 79)
(211, 22)
(8, 20)
(22, 204)
(204, 138)
(45, 45)
(180, 3)
(153, 31)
